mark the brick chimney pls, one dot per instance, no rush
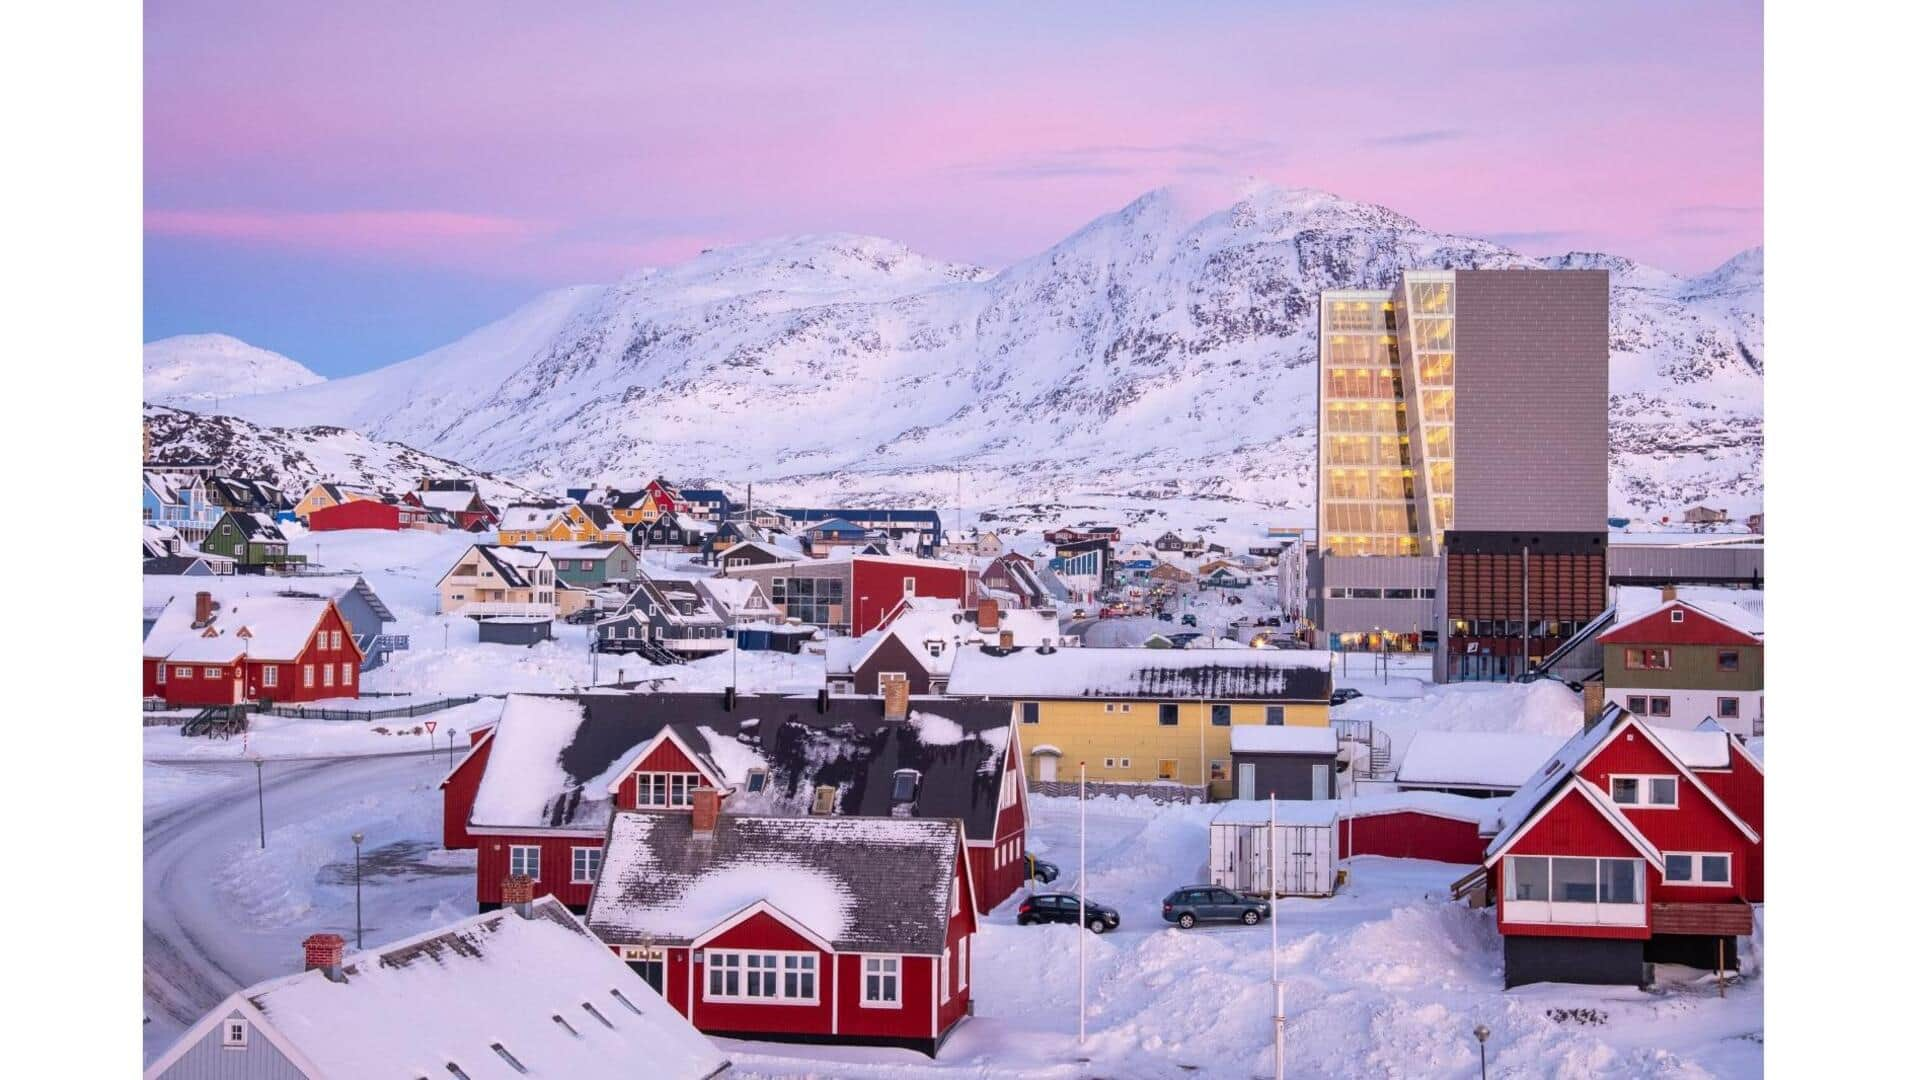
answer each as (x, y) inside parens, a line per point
(1668, 593)
(202, 609)
(989, 618)
(323, 953)
(894, 693)
(706, 809)
(516, 892)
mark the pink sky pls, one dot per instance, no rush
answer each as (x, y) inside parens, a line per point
(550, 144)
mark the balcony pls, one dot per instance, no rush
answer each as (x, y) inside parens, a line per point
(1727, 920)
(493, 609)
(1575, 913)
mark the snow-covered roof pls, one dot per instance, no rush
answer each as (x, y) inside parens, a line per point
(160, 591)
(1741, 609)
(928, 623)
(860, 884)
(1466, 759)
(1283, 739)
(1325, 811)
(554, 757)
(460, 995)
(1286, 811)
(1276, 675)
(448, 500)
(524, 517)
(589, 550)
(736, 596)
(277, 628)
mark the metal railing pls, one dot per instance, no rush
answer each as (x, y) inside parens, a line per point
(426, 708)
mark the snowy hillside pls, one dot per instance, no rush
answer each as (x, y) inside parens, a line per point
(1164, 354)
(296, 458)
(199, 369)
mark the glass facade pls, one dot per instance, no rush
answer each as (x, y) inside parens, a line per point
(1424, 302)
(1367, 491)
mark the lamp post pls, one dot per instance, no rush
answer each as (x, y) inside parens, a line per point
(1480, 1032)
(1080, 908)
(359, 933)
(260, 794)
(451, 732)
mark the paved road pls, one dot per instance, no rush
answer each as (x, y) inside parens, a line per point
(196, 948)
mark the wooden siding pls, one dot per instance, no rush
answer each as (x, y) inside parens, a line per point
(208, 1060)
(1412, 835)
(1489, 585)
(556, 866)
(1706, 919)
(1695, 667)
(457, 792)
(1084, 730)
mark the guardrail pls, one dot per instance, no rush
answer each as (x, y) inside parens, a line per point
(304, 712)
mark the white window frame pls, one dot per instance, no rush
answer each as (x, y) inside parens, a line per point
(520, 862)
(326, 675)
(160, 676)
(720, 962)
(234, 1031)
(871, 966)
(1694, 869)
(346, 673)
(306, 671)
(1574, 912)
(270, 675)
(1644, 788)
(960, 971)
(181, 671)
(946, 978)
(593, 872)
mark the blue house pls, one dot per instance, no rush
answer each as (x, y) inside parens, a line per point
(178, 501)
(913, 532)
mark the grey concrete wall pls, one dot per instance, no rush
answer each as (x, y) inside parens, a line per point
(1530, 434)
(1383, 572)
(1660, 564)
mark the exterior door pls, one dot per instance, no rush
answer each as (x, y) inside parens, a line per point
(1322, 782)
(1245, 790)
(1046, 765)
(651, 965)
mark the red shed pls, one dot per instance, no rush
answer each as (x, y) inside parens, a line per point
(368, 514)
(282, 648)
(808, 929)
(878, 582)
(1617, 852)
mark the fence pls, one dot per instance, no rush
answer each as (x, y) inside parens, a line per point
(424, 708)
(1159, 792)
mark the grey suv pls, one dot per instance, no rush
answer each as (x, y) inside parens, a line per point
(1211, 903)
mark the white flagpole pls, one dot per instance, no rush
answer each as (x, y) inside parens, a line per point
(1273, 900)
(1083, 903)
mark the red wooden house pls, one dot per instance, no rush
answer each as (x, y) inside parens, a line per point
(802, 929)
(535, 793)
(370, 514)
(281, 648)
(1626, 848)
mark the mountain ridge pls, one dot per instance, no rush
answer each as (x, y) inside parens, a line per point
(1165, 350)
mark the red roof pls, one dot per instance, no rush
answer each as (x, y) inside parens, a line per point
(1692, 626)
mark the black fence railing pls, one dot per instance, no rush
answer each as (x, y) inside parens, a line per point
(421, 708)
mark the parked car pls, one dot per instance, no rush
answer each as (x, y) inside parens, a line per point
(1343, 695)
(1165, 616)
(1211, 903)
(1189, 620)
(1063, 908)
(1181, 640)
(587, 616)
(1041, 870)
(1543, 676)
(1112, 611)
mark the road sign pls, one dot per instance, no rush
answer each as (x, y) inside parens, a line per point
(430, 726)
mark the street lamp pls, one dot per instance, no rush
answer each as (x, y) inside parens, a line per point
(359, 932)
(1480, 1032)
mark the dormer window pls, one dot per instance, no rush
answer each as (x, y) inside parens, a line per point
(933, 648)
(756, 780)
(906, 785)
(823, 797)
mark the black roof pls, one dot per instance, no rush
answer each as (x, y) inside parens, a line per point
(170, 564)
(850, 746)
(890, 882)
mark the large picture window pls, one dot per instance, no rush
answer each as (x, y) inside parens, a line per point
(1573, 880)
(665, 789)
(810, 600)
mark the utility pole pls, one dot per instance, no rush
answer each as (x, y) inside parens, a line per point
(359, 931)
(1273, 901)
(260, 795)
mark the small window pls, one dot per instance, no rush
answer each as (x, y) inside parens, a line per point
(823, 797)
(1169, 715)
(1626, 790)
(586, 865)
(1216, 770)
(1276, 715)
(906, 784)
(1663, 791)
(1222, 715)
(880, 987)
(1677, 615)
(233, 1034)
(1729, 660)
(1029, 712)
(1110, 762)
(1680, 869)
(1169, 769)
(756, 780)
(1729, 708)
(1637, 705)
(1659, 706)
(524, 859)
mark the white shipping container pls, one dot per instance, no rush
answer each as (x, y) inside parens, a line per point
(1305, 853)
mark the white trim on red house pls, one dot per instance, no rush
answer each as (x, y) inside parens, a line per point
(1595, 798)
(756, 908)
(472, 752)
(646, 750)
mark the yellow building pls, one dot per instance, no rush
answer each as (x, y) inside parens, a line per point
(525, 523)
(1143, 715)
(321, 496)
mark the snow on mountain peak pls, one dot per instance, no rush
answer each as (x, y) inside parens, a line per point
(195, 368)
(1166, 348)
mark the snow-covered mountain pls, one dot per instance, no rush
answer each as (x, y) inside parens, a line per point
(1164, 351)
(200, 369)
(297, 458)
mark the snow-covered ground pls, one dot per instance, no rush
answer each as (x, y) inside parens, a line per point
(286, 738)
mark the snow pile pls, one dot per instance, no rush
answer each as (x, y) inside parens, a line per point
(533, 730)
(735, 758)
(937, 730)
(814, 899)
(1437, 758)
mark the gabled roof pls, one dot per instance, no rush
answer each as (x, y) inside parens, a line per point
(256, 526)
(452, 994)
(554, 757)
(530, 517)
(1544, 787)
(157, 594)
(1682, 622)
(275, 628)
(920, 621)
(859, 884)
(590, 550)
(457, 500)
(601, 517)
(1214, 675)
(1475, 759)
(1282, 739)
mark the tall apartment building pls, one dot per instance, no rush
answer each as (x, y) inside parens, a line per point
(1463, 418)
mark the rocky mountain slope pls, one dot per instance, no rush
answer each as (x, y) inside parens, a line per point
(1164, 352)
(201, 370)
(296, 458)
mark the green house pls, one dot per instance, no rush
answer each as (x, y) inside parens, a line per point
(589, 564)
(251, 540)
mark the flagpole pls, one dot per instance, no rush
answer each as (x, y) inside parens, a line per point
(1082, 905)
(1273, 901)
